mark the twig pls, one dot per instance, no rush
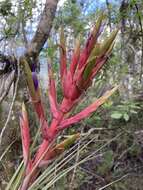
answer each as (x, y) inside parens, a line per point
(6, 150)
(76, 161)
(90, 157)
(117, 180)
(6, 91)
(48, 174)
(91, 173)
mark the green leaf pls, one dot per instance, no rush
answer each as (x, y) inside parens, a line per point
(126, 117)
(116, 115)
(134, 112)
(89, 68)
(135, 106)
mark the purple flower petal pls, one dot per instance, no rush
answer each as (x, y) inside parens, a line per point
(35, 80)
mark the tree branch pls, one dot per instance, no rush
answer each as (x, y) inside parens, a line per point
(43, 29)
(34, 47)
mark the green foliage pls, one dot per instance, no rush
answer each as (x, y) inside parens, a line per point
(116, 115)
(71, 16)
(125, 110)
(5, 8)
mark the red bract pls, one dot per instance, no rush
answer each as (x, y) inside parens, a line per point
(91, 42)
(24, 126)
(85, 64)
(75, 57)
(34, 92)
(87, 111)
(52, 92)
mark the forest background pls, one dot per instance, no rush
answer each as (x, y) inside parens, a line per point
(115, 130)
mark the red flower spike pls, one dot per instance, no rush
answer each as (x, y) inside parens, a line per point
(74, 82)
(25, 134)
(38, 104)
(97, 59)
(32, 82)
(69, 87)
(39, 109)
(51, 133)
(52, 92)
(41, 150)
(67, 105)
(75, 57)
(67, 84)
(91, 41)
(87, 111)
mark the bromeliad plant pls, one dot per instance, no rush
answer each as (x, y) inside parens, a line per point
(75, 80)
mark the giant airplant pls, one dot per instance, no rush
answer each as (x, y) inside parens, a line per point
(75, 79)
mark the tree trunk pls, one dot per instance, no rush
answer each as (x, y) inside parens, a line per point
(34, 47)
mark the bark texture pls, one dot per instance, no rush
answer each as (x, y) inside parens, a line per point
(43, 29)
